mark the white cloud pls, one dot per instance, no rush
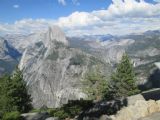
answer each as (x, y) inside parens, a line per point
(121, 17)
(78, 19)
(63, 2)
(133, 8)
(26, 26)
(129, 15)
(16, 6)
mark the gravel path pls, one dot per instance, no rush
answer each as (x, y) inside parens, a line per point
(155, 116)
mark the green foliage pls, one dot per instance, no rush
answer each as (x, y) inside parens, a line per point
(71, 109)
(14, 96)
(96, 85)
(60, 113)
(53, 56)
(4, 99)
(78, 59)
(20, 100)
(12, 116)
(123, 80)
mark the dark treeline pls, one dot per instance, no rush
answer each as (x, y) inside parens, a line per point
(14, 97)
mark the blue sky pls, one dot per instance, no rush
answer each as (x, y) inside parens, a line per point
(79, 17)
(12, 10)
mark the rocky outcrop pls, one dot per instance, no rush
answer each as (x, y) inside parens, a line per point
(140, 109)
(154, 116)
(53, 71)
(131, 100)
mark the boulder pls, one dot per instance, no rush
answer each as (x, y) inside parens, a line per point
(133, 112)
(132, 99)
(125, 114)
(141, 108)
(158, 104)
(152, 106)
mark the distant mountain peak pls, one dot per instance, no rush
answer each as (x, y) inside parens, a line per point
(55, 34)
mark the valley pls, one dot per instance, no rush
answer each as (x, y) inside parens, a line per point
(56, 68)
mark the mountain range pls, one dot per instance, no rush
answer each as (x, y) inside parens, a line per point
(54, 66)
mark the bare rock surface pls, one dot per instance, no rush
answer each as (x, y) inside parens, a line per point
(53, 71)
(141, 109)
(154, 116)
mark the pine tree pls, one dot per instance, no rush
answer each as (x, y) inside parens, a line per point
(97, 85)
(4, 99)
(17, 92)
(123, 80)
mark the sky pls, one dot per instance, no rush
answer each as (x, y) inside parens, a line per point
(80, 17)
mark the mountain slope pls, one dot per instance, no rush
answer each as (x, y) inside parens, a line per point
(53, 71)
(8, 57)
(143, 49)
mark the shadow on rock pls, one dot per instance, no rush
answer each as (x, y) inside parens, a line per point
(153, 81)
(103, 108)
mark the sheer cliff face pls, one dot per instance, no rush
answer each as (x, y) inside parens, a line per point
(8, 57)
(53, 71)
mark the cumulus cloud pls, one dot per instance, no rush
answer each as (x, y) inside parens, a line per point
(16, 6)
(63, 2)
(121, 17)
(129, 15)
(78, 19)
(118, 9)
(26, 26)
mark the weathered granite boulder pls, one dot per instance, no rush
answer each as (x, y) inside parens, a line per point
(158, 104)
(132, 99)
(152, 106)
(154, 116)
(140, 109)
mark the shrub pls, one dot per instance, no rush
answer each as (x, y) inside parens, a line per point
(12, 116)
(71, 109)
(96, 85)
(61, 114)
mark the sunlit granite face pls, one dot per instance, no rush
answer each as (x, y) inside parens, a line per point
(51, 76)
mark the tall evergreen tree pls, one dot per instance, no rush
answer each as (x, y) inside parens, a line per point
(17, 92)
(96, 85)
(4, 99)
(123, 79)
